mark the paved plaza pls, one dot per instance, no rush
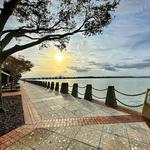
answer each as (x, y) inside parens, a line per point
(56, 121)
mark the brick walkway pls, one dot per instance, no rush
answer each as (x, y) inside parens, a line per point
(55, 121)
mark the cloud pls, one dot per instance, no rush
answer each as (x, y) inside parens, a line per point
(105, 66)
(109, 67)
(116, 67)
(141, 65)
(126, 58)
(147, 59)
(105, 49)
(141, 41)
(93, 63)
(79, 69)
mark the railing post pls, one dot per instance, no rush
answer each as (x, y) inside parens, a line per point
(88, 92)
(57, 86)
(146, 107)
(74, 92)
(52, 85)
(48, 85)
(40, 83)
(45, 85)
(111, 98)
(64, 88)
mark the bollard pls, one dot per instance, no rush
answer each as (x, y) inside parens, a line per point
(64, 88)
(48, 85)
(45, 85)
(57, 86)
(52, 86)
(88, 92)
(111, 98)
(40, 83)
(146, 107)
(74, 92)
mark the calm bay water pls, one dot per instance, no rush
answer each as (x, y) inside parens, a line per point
(126, 85)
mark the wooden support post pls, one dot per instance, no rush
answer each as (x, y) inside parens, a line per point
(57, 86)
(74, 92)
(111, 98)
(88, 92)
(52, 85)
(64, 88)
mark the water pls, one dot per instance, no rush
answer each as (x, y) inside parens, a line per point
(126, 85)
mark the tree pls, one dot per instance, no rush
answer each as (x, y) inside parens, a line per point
(16, 66)
(39, 22)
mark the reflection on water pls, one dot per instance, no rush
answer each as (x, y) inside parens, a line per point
(129, 86)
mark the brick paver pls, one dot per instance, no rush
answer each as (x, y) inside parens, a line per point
(55, 121)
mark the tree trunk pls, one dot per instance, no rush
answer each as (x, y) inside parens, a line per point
(1, 102)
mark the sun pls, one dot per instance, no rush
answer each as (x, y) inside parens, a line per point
(58, 57)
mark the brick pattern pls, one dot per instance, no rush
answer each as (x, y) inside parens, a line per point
(18, 133)
(88, 121)
(33, 120)
(11, 93)
(13, 136)
(30, 114)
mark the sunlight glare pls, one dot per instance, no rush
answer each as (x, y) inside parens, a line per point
(58, 57)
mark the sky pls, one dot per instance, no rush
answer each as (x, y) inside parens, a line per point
(122, 49)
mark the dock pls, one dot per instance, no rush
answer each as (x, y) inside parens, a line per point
(55, 121)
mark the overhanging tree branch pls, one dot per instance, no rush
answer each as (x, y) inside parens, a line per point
(48, 20)
(6, 12)
(17, 48)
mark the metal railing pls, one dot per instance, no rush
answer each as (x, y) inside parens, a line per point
(81, 87)
(98, 97)
(138, 94)
(139, 105)
(131, 95)
(99, 89)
